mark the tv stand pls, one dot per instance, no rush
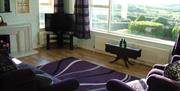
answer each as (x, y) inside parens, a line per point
(61, 37)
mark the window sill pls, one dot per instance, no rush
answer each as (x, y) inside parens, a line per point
(137, 37)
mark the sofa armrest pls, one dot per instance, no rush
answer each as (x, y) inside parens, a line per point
(155, 71)
(175, 58)
(159, 66)
(117, 85)
(160, 83)
(64, 85)
(18, 80)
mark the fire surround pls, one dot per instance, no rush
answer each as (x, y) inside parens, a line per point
(20, 39)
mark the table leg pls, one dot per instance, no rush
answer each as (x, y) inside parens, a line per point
(126, 61)
(116, 59)
(59, 39)
(47, 40)
(130, 62)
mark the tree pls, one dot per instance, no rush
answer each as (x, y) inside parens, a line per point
(161, 20)
(141, 18)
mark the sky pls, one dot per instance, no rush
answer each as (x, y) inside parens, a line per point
(141, 2)
(155, 2)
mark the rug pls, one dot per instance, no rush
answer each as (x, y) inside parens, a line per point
(92, 77)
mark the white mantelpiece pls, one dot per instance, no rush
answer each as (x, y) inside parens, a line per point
(20, 39)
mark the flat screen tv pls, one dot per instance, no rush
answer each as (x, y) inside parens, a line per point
(59, 22)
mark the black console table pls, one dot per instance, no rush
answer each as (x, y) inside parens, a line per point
(124, 53)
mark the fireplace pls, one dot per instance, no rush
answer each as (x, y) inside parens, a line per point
(20, 38)
(5, 43)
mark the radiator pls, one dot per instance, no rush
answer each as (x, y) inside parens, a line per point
(42, 38)
(150, 55)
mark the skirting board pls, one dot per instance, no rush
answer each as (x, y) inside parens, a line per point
(23, 53)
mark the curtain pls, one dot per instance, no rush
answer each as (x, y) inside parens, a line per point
(58, 6)
(82, 29)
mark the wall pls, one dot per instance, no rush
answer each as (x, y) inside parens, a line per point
(30, 18)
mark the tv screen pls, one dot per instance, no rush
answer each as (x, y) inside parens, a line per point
(59, 22)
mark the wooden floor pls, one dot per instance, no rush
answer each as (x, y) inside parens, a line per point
(45, 56)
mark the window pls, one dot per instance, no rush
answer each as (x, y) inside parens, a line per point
(152, 18)
(100, 14)
(45, 6)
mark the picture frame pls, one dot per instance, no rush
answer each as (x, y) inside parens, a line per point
(22, 6)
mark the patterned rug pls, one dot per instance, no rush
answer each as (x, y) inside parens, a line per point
(92, 77)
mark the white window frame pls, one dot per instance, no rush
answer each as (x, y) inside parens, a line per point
(43, 4)
(109, 15)
(109, 7)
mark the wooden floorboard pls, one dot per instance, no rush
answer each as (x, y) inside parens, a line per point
(46, 56)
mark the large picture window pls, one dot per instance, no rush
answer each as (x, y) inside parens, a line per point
(45, 6)
(151, 18)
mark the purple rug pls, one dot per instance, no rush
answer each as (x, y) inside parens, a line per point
(92, 77)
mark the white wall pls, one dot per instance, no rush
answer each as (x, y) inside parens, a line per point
(30, 18)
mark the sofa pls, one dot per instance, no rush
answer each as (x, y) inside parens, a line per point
(26, 77)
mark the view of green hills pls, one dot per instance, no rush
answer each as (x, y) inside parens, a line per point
(158, 21)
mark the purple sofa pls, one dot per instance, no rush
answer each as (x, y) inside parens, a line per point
(29, 78)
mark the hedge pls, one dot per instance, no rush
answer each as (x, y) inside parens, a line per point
(140, 27)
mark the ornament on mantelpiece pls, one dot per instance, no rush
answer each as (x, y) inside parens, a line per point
(2, 23)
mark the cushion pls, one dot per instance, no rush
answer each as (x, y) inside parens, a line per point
(138, 85)
(6, 64)
(172, 71)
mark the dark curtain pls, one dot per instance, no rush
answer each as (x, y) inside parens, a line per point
(176, 48)
(82, 29)
(58, 6)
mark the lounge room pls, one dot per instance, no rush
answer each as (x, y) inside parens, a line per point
(89, 45)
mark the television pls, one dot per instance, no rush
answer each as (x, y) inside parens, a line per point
(59, 22)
